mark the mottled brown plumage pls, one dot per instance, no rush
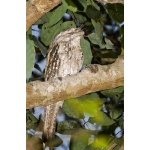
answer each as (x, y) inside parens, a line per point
(64, 58)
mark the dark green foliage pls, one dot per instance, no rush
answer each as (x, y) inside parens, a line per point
(54, 142)
(93, 13)
(39, 45)
(116, 11)
(122, 36)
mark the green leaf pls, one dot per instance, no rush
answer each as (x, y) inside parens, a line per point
(70, 5)
(115, 112)
(28, 33)
(79, 17)
(109, 44)
(85, 45)
(83, 3)
(115, 94)
(39, 45)
(113, 91)
(121, 121)
(67, 127)
(101, 119)
(79, 140)
(30, 58)
(57, 14)
(48, 33)
(91, 2)
(31, 121)
(68, 24)
(44, 19)
(98, 29)
(102, 141)
(53, 16)
(72, 108)
(55, 142)
(93, 13)
(34, 143)
(115, 11)
(93, 37)
(91, 103)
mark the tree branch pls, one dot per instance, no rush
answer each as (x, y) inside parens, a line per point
(91, 79)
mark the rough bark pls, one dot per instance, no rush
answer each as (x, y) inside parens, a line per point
(91, 79)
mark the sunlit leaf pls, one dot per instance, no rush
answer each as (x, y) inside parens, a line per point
(85, 45)
(101, 119)
(116, 11)
(30, 58)
(73, 108)
(91, 103)
(101, 141)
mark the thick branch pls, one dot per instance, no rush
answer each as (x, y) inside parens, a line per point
(35, 9)
(91, 79)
